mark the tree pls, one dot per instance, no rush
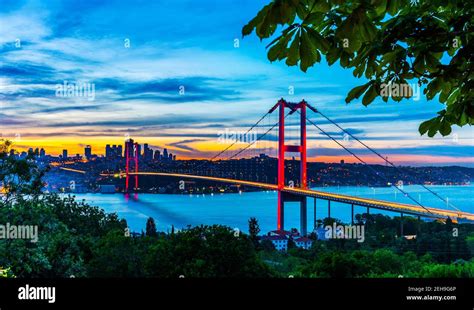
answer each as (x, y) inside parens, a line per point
(291, 244)
(6, 273)
(205, 251)
(390, 42)
(470, 244)
(19, 178)
(151, 228)
(254, 228)
(116, 255)
(267, 246)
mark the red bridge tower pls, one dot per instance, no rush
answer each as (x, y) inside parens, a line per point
(131, 155)
(282, 149)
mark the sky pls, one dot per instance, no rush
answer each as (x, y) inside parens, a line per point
(176, 74)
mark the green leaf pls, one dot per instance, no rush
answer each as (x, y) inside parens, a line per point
(433, 129)
(445, 128)
(369, 95)
(344, 59)
(313, 19)
(464, 119)
(307, 52)
(368, 30)
(425, 126)
(321, 6)
(359, 70)
(333, 55)
(278, 49)
(356, 92)
(380, 6)
(247, 29)
(301, 10)
(452, 98)
(433, 88)
(393, 6)
(431, 62)
(274, 52)
(287, 13)
(444, 96)
(264, 29)
(294, 51)
(317, 40)
(419, 64)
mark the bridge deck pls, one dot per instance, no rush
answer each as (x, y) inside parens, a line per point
(358, 201)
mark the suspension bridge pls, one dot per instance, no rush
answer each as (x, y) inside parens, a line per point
(287, 193)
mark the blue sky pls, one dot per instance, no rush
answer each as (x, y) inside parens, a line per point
(175, 44)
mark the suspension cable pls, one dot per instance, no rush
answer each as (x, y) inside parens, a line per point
(383, 158)
(250, 144)
(381, 175)
(207, 161)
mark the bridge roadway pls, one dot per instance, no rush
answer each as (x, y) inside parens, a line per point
(356, 201)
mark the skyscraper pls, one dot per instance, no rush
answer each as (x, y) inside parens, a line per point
(64, 154)
(157, 155)
(88, 151)
(129, 147)
(42, 153)
(147, 152)
(139, 150)
(165, 154)
(108, 151)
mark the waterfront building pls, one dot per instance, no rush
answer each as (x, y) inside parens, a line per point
(279, 242)
(303, 242)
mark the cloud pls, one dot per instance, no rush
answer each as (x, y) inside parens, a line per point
(27, 71)
(161, 121)
(449, 151)
(181, 145)
(137, 88)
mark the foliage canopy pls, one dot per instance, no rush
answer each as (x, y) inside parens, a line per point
(390, 42)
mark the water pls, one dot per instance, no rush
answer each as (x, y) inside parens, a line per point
(234, 210)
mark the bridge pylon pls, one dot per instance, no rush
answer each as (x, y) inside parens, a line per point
(283, 148)
(131, 155)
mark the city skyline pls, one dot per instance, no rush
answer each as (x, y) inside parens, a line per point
(111, 151)
(177, 87)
